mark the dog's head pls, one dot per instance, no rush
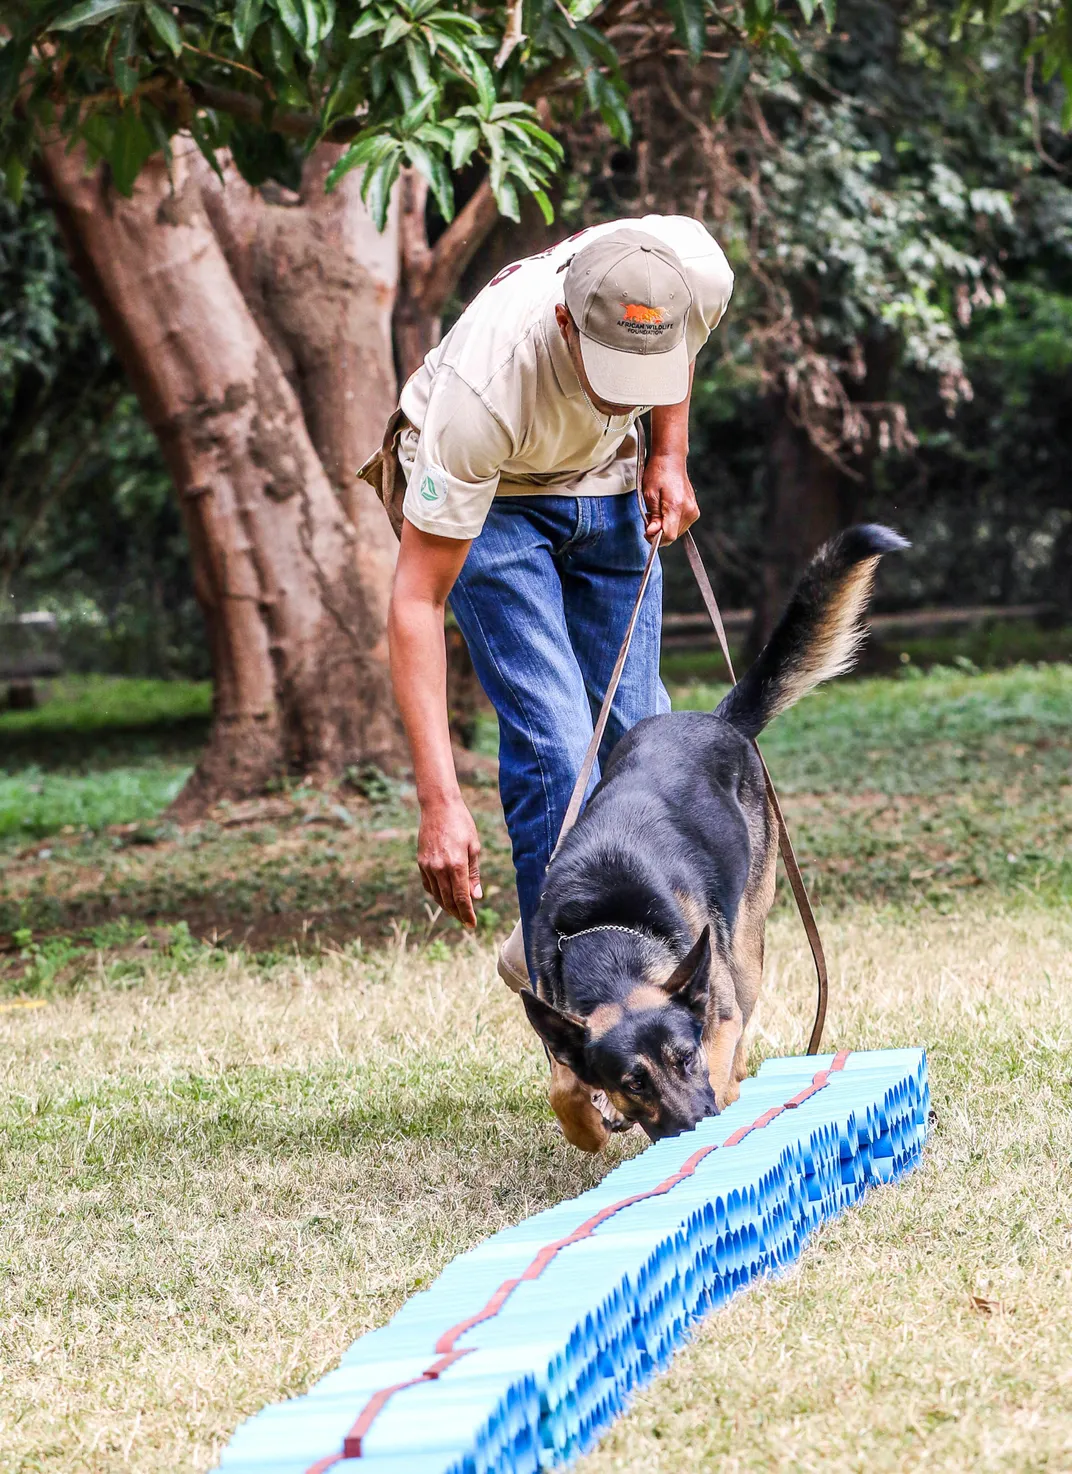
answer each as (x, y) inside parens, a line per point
(645, 1054)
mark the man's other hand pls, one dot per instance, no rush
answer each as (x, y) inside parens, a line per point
(448, 854)
(669, 498)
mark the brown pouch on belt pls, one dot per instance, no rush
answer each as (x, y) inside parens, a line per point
(384, 473)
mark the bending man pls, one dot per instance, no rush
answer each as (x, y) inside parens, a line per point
(517, 442)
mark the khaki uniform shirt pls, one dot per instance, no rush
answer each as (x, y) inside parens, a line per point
(497, 408)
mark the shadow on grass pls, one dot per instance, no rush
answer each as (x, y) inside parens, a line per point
(75, 750)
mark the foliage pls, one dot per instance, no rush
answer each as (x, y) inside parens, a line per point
(420, 82)
(872, 199)
(892, 209)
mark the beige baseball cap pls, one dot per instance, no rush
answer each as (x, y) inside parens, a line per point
(628, 295)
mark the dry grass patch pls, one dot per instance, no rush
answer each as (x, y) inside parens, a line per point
(930, 1327)
(213, 1181)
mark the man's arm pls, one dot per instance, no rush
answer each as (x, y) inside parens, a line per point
(668, 493)
(448, 848)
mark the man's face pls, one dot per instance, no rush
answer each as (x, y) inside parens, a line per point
(568, 329)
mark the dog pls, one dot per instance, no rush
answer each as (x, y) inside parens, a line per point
(648, 940)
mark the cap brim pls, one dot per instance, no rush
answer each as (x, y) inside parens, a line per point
(636, 378)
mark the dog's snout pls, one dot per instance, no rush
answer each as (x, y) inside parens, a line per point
(676, 1125)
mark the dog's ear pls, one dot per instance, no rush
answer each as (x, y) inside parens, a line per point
(691, 978)
(564, 1035)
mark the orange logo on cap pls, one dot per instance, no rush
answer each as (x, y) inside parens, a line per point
(634, 312)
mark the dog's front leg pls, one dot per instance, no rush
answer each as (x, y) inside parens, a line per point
(582, 1124)
(722, 1039)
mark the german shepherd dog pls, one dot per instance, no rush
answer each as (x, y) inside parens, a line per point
(648, 941)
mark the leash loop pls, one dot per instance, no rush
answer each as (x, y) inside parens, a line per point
(785, 844)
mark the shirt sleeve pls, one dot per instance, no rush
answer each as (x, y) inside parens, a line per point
(711, 282)
(455, 472)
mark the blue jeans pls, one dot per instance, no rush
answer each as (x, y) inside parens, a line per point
(543, 601)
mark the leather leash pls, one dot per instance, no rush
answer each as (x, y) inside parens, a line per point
(785, 844)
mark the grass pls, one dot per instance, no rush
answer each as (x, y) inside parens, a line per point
(85, 706)
(35, 803)
(990, 645)
(902, 792)
(215, 1178)
(251, 1098)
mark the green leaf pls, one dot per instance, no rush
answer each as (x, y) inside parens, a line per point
(132, 145)
(313, 31)
(544, 140)
(546, 207)
(829, 13)
(397, 27)
(15, 178)
(582, 9)
(203, 136)
(348, 90)
(369, 149)
(415, 115)
(484, 83)
(13, 58)
(437, 174)
(463, 145)
(437, 133)
(368, 23)
(244, 22)
(418, 63)
(165, 26)
(447, 18)
(294, 20)
(690, 24)
(125, 66)
(734, 76)
(282, 49)
(614, 111)
(506, 199)
(90, 12)
(807, 9)
(377, 186)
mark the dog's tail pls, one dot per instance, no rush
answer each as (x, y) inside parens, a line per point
(820, 633)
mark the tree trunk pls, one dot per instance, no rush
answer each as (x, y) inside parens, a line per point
(255, 329)
(809, 496)
(808, 500)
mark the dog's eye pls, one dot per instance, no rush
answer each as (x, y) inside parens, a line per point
(636, 1082)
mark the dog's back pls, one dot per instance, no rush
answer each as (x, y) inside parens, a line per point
(666, 845)
(681, 811)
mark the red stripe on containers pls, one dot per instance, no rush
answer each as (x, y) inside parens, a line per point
(445, 1345)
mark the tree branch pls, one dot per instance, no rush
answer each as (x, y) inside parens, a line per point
(457, 246)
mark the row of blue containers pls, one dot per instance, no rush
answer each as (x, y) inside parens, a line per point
(544, 1375)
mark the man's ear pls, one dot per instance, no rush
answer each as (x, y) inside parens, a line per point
(691, 979)
(564, 1036)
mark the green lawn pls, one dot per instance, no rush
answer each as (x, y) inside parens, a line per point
(253, 1096)
(903, 792)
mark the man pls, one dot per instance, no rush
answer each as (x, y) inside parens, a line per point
(518, 442)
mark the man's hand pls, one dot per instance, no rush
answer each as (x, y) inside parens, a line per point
(669, 498)
(448, 854)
